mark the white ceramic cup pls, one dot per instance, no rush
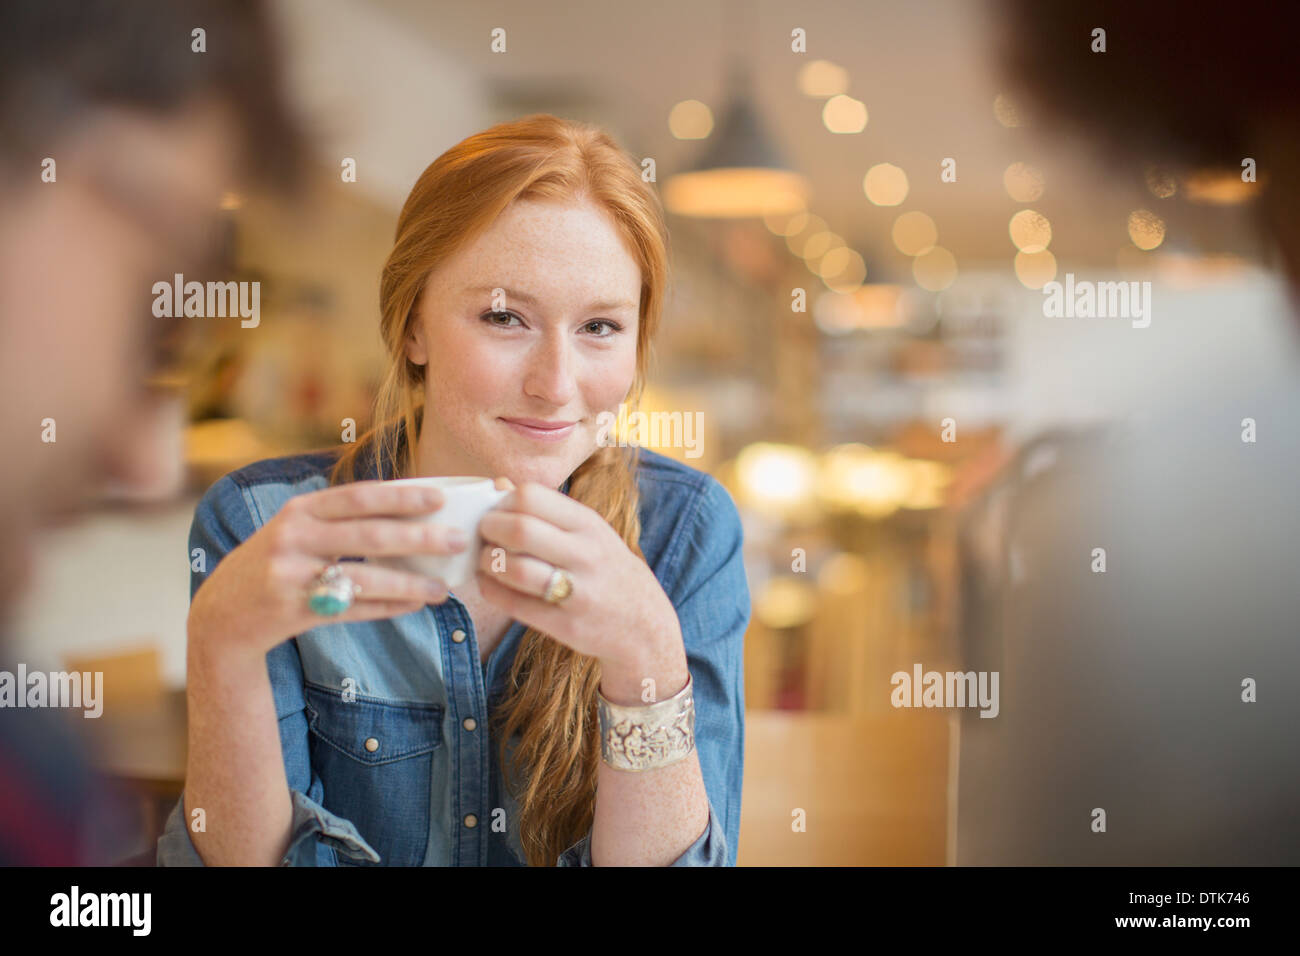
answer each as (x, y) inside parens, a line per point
(467, 500)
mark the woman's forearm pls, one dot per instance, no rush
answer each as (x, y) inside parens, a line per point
(235, 769)
(648, 817)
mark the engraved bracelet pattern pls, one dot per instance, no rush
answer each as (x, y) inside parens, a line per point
(649, 736)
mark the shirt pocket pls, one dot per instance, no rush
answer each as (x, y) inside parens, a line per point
(375, 761)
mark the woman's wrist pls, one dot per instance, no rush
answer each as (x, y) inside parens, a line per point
(209, 646)
(654, 670)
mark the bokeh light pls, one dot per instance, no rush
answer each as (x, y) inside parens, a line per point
(1024, 183)
(808, 225)
(1007, 111)
(822, 78)
(819, 244)
(785, 602)
(842, 269)
(869, 306)
(885, 184)
(914, 233)
(776, 479)
(1030, 231)
(1145, 228)
(690, 119)
(1220, 187)
(936, 270)
(857, 478)
(844, 114)
(1161, 182)
(1035, 269)
(784, 223)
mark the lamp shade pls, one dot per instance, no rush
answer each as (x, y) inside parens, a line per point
(742, 173)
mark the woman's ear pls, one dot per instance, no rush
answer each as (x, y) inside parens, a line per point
(415, 350)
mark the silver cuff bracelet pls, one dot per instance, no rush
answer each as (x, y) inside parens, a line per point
(649, 736)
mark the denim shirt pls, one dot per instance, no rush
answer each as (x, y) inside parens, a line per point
(431, 792)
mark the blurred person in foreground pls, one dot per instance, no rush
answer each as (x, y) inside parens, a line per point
(1128, 691)
(117, 141)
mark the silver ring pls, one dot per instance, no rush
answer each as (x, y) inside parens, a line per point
(333, 592)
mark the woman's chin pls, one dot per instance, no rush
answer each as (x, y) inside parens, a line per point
(548, 464)
(552, 473)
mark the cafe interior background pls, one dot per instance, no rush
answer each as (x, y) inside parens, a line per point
(866, 532)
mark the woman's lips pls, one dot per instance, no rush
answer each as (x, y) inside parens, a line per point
(532, 428)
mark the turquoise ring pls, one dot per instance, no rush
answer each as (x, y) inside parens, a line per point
(332, 593)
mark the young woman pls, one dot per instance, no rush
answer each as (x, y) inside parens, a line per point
(583, 706)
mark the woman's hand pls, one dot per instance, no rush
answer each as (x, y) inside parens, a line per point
(617, 612)
(256, 597)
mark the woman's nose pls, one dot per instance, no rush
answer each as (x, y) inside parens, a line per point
(550, 374)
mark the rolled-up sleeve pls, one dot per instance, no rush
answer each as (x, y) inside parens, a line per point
(315, 832)
(707, 585)
(709, 850)
(221, 521)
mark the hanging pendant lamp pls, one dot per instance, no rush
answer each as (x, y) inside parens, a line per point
(742, 173)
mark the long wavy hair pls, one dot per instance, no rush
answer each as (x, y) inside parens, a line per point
(551, 691)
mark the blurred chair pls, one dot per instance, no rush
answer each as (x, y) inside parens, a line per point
(132, 678)
(139, 743)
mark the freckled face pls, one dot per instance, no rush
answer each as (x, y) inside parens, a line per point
(557, 347)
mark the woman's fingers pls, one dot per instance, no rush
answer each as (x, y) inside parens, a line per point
(376, 611)
(524, 574)
(528, 534)
(382, 537)
(529, 608)
(549, 505)
(383, 585)
(359, 499)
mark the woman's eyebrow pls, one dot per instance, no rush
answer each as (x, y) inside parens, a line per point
(533, 301)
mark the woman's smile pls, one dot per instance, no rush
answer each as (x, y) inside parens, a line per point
(541, 429)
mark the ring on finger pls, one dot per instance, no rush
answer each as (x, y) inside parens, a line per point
(333, 592)
(558, 587)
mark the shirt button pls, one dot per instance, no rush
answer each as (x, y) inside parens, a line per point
(471, 821)
(458, 635)
(372, 744)
(469, 723)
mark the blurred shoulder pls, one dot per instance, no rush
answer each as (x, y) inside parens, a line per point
(667, 482)
(286, 469)
(682, 507)
(256, 491)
